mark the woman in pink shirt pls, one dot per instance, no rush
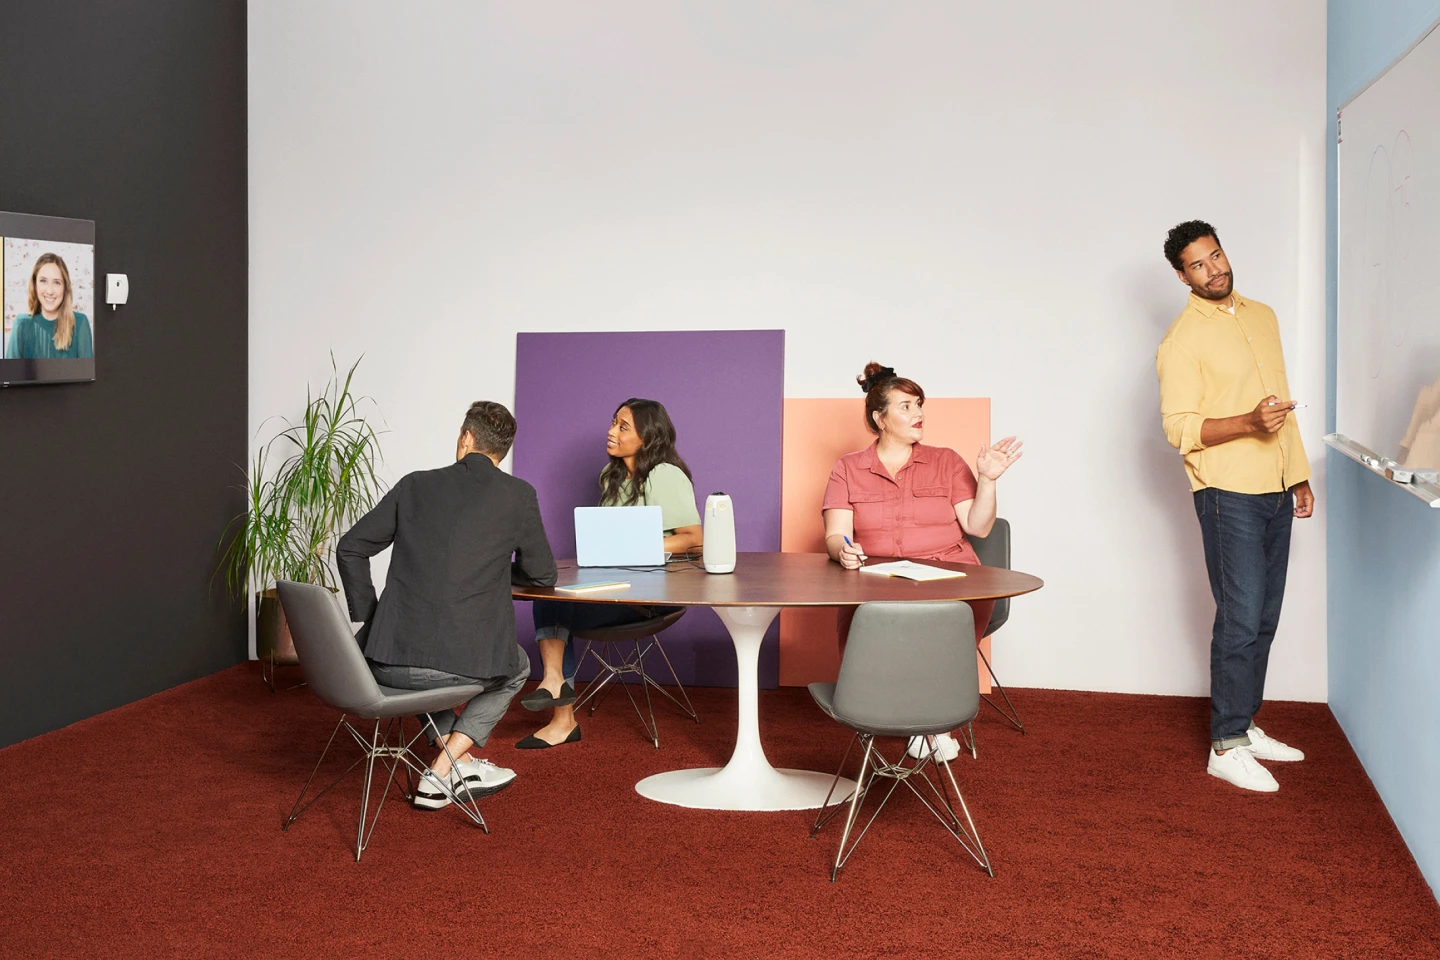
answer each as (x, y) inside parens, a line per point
(901, 498)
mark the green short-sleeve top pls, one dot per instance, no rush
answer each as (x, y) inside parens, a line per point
(668, 488)
(33, 338)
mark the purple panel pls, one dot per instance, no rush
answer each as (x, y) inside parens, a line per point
(725, 392)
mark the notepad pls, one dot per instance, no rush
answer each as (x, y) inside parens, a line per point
(911, 570)
(595, 585)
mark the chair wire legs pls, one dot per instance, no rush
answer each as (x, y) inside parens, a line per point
(297, 809)
(940, 801)
(393, 757)
(461, 798)
(968, 738)
(1010, 714)
(633, 664)
(687, 708)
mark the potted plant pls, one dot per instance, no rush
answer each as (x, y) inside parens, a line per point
(306, 486)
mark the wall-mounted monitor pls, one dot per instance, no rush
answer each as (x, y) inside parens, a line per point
(47, 275)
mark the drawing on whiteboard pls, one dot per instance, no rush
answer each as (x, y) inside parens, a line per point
(1388, 233)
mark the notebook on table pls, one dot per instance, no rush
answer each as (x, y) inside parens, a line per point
(594, 586)
(619, 537)
(911, 570)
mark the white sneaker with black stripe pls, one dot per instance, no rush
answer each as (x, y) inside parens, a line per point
(431, 793)
(481, 778)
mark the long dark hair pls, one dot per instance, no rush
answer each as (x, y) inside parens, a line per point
(657, 446)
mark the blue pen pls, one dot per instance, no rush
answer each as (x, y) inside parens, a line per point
(863, 558)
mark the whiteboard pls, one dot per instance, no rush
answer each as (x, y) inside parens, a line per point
(1387, 392)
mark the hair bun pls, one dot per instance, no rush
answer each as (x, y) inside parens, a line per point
(873, 376)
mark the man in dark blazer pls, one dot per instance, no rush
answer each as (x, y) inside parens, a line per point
(446, 616)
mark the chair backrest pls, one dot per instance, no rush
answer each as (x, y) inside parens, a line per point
(909, 665)
(334, 667)
(994, 551)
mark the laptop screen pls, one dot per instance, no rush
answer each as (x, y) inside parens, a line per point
(619, 537)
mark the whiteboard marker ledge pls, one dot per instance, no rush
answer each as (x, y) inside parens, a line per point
(1376, 464)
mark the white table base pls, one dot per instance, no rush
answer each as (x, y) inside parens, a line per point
(747, 782)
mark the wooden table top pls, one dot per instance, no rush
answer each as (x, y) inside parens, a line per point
(780, 580)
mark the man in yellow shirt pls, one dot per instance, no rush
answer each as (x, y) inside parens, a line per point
(1226, 406)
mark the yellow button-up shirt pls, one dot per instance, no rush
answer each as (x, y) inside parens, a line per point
(1213, 364)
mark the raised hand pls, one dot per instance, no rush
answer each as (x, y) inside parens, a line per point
(996, 458)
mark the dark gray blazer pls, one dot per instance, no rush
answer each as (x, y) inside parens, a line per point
(447, 599)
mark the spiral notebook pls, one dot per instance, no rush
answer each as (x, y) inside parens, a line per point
(911, 570)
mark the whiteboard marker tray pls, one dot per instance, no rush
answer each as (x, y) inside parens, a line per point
(1375, 463)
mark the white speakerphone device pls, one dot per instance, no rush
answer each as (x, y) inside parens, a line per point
(719, 532)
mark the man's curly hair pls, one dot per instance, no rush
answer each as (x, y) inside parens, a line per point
(1182, 236)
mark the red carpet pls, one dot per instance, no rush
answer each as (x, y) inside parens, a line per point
(154, 831)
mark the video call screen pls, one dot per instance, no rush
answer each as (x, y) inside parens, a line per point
(47, 275)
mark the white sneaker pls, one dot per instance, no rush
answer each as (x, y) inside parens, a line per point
(1238, 766)
(946, 747)
(431, 793)
(1268, 748)
(481, 778)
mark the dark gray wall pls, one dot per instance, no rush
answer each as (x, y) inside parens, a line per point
(113, 493)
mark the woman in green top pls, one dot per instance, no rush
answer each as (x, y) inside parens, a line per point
(52, 330)
(644, 470)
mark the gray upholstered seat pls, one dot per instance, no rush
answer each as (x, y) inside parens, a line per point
(909, 670)
(614, 667)
(336, 671)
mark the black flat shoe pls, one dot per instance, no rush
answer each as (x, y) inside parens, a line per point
(541, 699)
(533, 742)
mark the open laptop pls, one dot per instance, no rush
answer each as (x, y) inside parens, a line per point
(619, 537)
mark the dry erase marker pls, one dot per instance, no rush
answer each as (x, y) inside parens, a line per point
(863, 558)
(1298, 405)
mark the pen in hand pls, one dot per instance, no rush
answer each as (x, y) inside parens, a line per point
(863, 558)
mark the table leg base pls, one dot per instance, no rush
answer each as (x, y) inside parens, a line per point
(722, 788)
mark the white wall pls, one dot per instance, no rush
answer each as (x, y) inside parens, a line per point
(975, 194)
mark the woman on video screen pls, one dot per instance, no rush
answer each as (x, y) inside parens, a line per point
(52, 330)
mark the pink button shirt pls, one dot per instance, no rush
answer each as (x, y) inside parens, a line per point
(911, 514)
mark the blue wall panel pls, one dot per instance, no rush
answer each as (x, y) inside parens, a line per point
(1384, 544)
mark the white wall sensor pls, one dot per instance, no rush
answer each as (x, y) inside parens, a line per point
(117, 289)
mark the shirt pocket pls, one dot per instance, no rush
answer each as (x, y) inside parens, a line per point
(869, 507)
(932, 504)
(1268, 349)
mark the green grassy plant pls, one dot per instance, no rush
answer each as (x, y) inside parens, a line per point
(305, 487)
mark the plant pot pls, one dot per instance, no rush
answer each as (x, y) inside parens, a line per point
(273, 644)
(272, 633)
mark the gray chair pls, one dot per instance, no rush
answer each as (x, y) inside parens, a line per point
(994, 551)
(908, 670)
(338, 674)
(643, 637)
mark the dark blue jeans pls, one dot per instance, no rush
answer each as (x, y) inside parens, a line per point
(1247, 551)
(557, 619)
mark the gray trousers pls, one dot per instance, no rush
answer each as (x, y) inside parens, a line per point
(478, 717)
